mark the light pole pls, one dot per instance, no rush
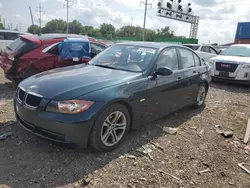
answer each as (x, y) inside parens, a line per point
(145, 15)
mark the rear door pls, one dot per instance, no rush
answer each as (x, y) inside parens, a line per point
(190, 65)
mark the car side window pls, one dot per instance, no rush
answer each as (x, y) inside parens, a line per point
(205, 49)
(212, 51)
(96, 48)
(1, 36)
(187, 58)
(168, 58)
(197, 60)
(54, 50)
(11, 36)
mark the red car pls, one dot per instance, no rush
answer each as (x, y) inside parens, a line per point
(31, 54)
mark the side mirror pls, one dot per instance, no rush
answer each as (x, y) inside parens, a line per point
(164, 71)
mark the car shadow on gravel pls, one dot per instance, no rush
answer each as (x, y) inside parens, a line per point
(231, 87)
(28, 161)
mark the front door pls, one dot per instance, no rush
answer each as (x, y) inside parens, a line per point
(164, 94)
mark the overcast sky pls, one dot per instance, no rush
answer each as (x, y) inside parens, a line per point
(218, 18)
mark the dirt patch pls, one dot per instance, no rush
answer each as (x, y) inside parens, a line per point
(197, 156)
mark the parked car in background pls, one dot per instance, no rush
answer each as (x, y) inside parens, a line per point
(7, 37)
(29, 55)
(126, 85)
(233, 65)
(206, 52)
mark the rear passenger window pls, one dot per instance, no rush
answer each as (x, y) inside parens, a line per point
(197, 60)
(187, 58)
(54, 50)
(1, 36)
(96, 48)
(168, 59)
(205, 49)
(11, 36)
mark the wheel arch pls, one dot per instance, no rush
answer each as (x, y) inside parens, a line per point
(121, 101)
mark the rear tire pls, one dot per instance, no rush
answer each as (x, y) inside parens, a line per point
(201, 96)
(110, 128)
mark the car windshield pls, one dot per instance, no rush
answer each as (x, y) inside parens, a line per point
(125, 57)
(243, 51)
(193, 47)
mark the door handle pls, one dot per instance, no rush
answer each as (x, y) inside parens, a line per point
(179, 78)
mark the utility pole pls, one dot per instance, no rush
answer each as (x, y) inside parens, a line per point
(32, 20)
(67, 6)
(40, 11)
(132, 18)
(145, 15)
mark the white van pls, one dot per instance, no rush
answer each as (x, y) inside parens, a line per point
(7, 36)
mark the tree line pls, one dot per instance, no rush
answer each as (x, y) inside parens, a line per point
(105, 31)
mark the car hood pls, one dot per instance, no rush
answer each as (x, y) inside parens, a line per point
(74, 81)
(237, 59)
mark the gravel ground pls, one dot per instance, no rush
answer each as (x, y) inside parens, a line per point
(148, 158)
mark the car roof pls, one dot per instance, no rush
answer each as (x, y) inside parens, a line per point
(247, 45)
(192, 44)
(158, 45)
(11, 31)
(59, 35)
(70, 39)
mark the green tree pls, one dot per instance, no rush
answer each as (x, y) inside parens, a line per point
(55, 26)
(34, 29)
(165, 32)
(75, 27)
(1, 24)
(107, 30)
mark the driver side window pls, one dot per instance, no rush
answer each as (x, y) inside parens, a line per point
(168, 58)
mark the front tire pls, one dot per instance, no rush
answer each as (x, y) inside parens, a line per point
(110, 128)
(201, 96)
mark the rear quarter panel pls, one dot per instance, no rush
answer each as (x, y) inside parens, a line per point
(38, 60)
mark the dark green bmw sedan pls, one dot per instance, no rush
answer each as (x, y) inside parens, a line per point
(126, 85)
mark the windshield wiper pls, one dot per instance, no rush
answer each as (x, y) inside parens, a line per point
(106, 66)
(8, 48)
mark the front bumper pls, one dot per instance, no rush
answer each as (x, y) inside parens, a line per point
(230, 80)
(61, 128)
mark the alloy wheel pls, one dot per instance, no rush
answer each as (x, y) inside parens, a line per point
(201, 95)
(113, 128)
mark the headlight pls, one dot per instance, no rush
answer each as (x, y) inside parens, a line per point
(211, 62)
(246, 66)
(69, 106)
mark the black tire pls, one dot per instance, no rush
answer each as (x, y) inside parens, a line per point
(197, 103)
(95, 135)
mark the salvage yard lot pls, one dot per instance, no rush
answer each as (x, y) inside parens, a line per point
(28, 161)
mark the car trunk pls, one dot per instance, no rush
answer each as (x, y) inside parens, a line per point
(9, 57)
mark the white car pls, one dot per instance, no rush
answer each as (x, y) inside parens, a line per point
(7, 37)
(232, 65)
(205, 52)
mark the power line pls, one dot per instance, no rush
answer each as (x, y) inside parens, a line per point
(146, 4)
(40, 11)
